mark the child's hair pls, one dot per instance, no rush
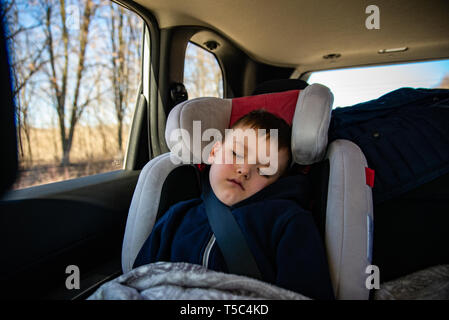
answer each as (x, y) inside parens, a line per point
(262, 119)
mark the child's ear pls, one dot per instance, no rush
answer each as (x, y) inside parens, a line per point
(213, 152)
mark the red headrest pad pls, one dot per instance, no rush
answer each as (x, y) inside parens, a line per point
(282, 104)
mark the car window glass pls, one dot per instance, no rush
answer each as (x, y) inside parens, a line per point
(76, 69)
(355, 85)
(202, 73)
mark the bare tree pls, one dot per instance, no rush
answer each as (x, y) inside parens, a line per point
(123, 68)
(202, 75)
(24, 102)
(59, 79)
(26, 61)
(68, 69)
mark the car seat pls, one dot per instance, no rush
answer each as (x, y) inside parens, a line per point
(347, 212)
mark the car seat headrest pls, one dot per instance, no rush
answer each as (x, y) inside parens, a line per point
(307, 111)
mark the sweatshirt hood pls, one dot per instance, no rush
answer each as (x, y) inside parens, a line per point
(293, 187)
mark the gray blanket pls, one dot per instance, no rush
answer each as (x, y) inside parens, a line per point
(428, 284)
(184, 281)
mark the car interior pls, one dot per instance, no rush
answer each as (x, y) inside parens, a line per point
(99, 222)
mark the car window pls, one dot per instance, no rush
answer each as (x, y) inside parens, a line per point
(202, 73)
(76, 70)
(355, 85)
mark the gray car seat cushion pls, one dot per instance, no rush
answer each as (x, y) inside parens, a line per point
(144, 207)
(311, 123)
(214, 113)
(349, 219)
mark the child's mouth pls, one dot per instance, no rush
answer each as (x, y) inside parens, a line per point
(236, 183)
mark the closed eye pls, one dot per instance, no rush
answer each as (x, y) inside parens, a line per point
(236, 155)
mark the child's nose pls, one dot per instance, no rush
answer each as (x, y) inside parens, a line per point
(244, 170)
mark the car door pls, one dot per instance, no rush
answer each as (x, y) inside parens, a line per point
(63, 220)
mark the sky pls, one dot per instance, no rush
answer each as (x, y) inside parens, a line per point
(355, 85)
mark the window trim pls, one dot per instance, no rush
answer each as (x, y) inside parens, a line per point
(149, 79)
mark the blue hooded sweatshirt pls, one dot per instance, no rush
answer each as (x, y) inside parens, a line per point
(281, 235)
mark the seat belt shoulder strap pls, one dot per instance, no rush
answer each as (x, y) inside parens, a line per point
(229, 236)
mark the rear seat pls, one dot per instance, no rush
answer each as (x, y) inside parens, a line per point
(347, 218)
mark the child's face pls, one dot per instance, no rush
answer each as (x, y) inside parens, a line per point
(236, 181)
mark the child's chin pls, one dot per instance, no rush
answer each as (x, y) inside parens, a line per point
(228, 200)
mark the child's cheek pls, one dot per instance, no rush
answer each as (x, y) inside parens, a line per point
(222, 172)
(259, 184)
(227, 169)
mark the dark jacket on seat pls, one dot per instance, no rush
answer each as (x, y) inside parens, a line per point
(404, 136)
(281, 235)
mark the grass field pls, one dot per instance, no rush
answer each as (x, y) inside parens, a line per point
(94, 150)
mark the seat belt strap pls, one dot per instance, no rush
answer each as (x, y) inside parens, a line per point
(230, 239)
